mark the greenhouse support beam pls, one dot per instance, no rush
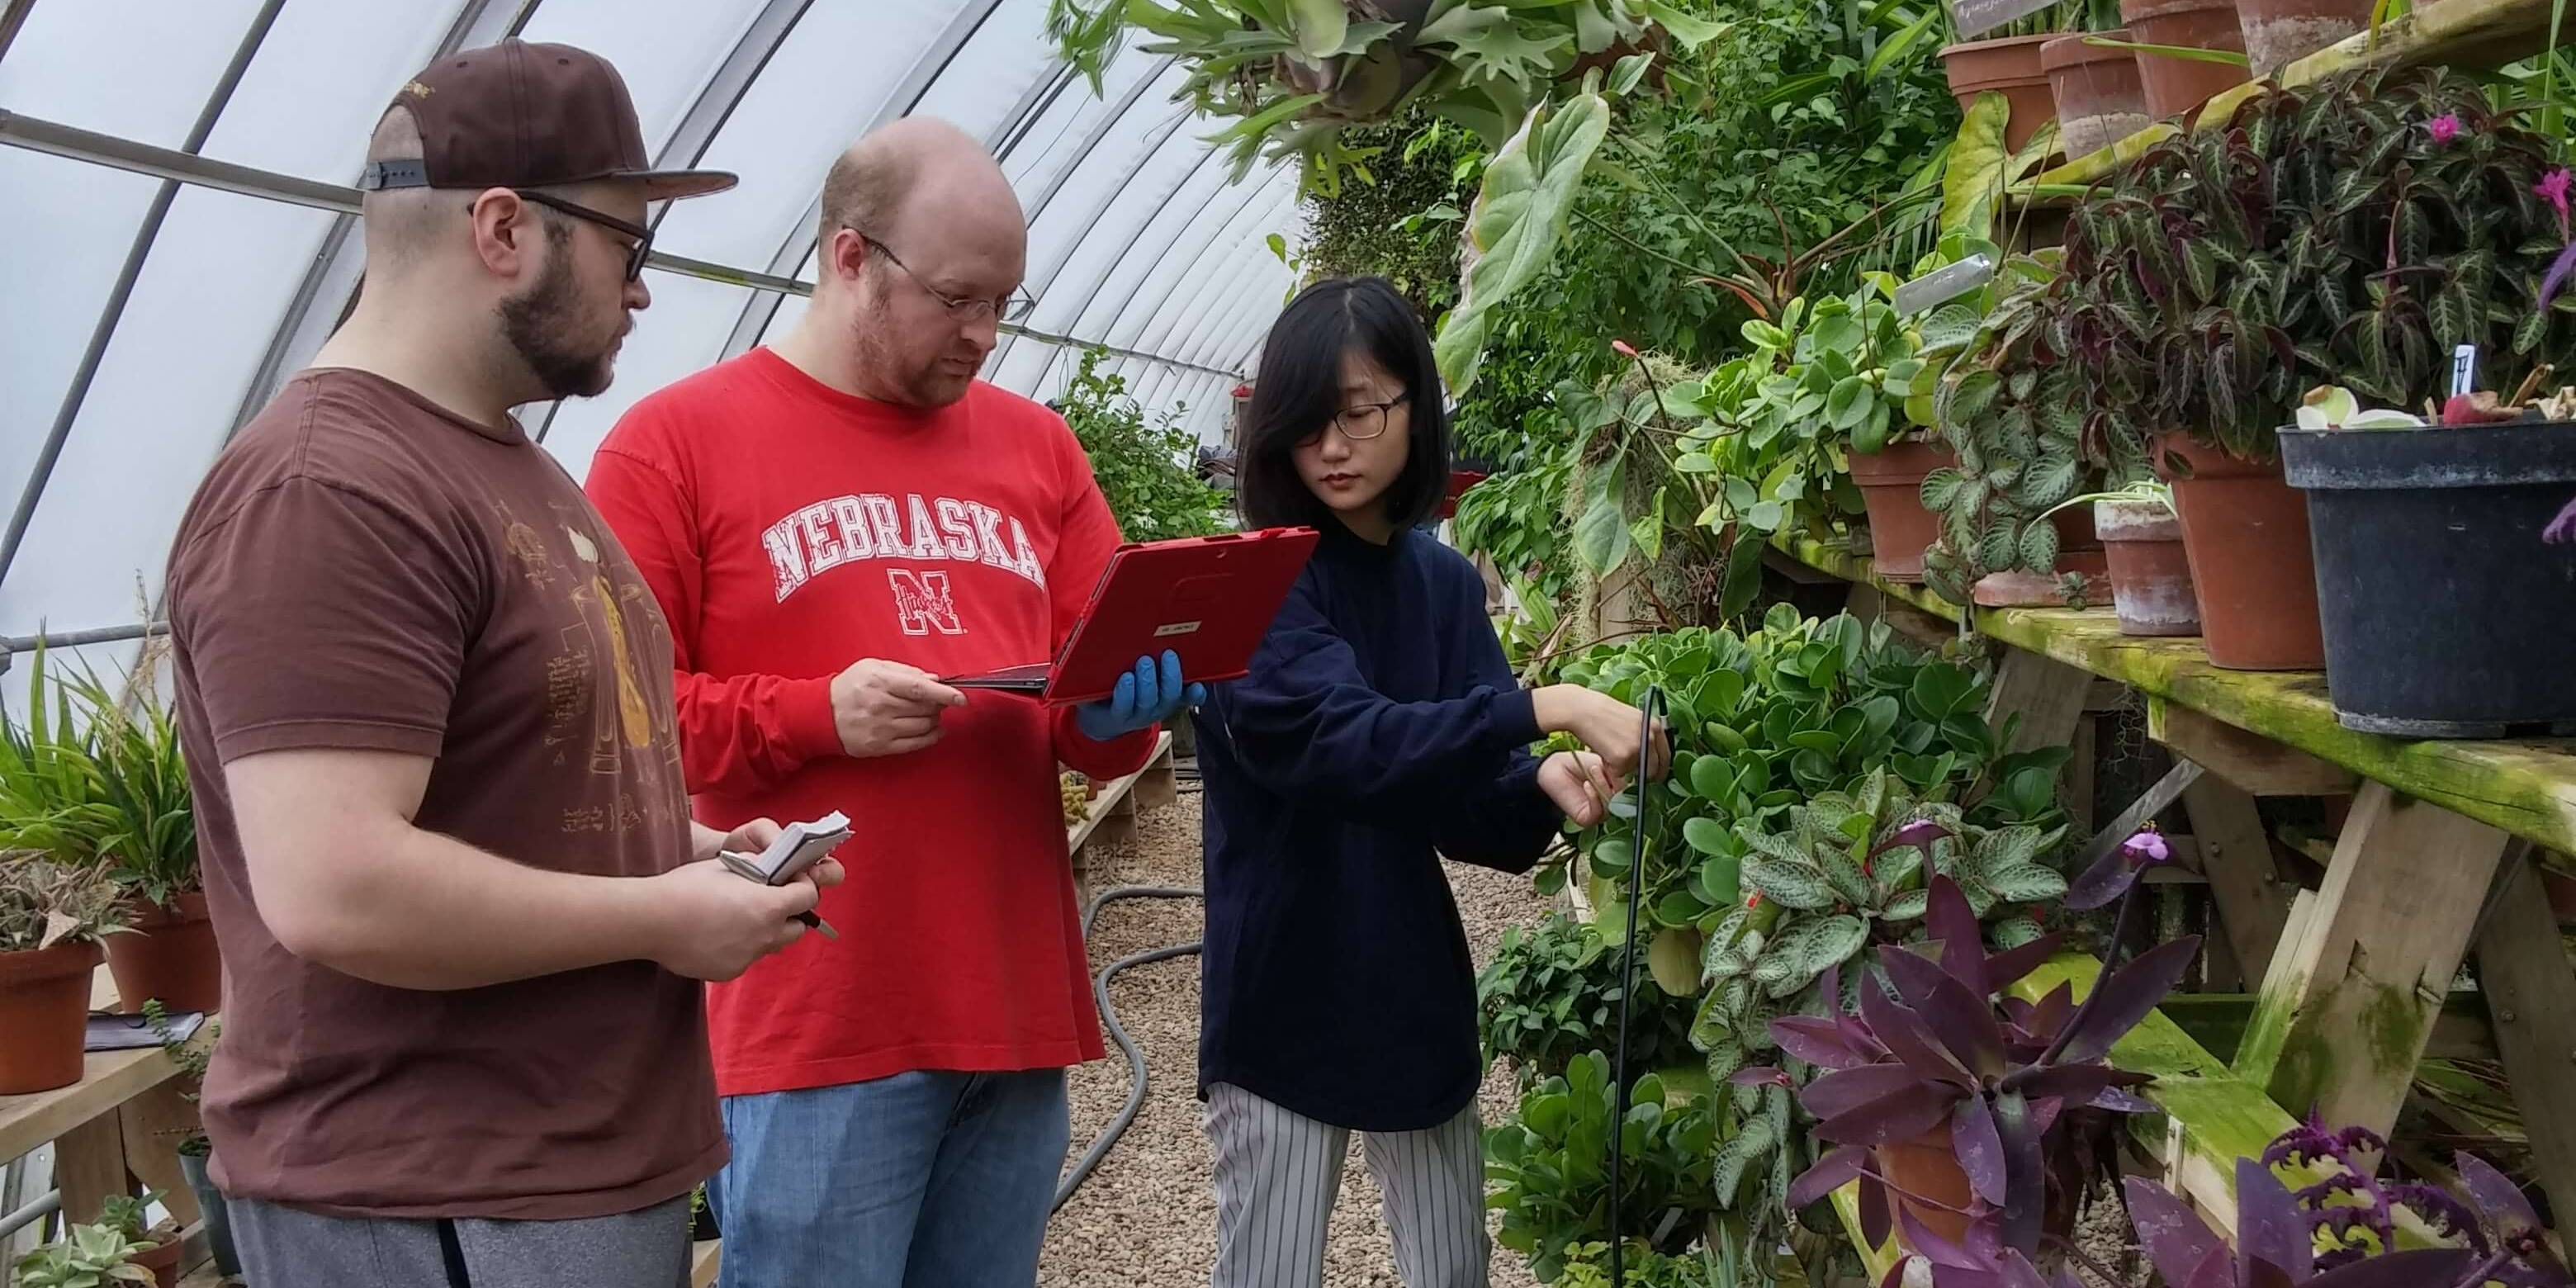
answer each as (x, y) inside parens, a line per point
(714, 104)
(74, 143)
(130, 272)
(11, 646)
(11, 21)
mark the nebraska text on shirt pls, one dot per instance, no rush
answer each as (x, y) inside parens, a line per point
(872, 525)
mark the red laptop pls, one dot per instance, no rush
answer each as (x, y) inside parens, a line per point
(1209, 599)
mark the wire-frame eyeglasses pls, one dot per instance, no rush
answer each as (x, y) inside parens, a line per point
(1011, 308)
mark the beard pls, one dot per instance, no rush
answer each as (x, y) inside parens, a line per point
(915, 383)
(543, 325)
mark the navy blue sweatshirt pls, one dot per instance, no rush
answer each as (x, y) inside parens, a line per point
(1379, 723)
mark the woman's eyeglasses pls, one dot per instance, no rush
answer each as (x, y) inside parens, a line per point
(1360, 422)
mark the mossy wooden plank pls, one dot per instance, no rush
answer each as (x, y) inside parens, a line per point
(2222, 1117)
(2524, 786)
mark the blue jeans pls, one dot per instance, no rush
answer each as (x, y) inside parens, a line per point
(919, 1180)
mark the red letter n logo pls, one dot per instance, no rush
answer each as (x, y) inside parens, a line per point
(922, 602)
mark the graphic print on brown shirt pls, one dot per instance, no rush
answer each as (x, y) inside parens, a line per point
(363, 570)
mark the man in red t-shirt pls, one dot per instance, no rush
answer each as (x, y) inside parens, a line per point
(426, 704)
(830, 523)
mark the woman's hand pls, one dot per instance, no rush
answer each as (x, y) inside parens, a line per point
(1606, 726)
(1577, 785)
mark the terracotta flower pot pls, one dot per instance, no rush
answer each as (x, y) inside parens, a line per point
(2011, 67)
(2246, 532)
(1891, 483)
(2099, 98)
(2177, 85)
(171, 956)
(2281, 32)
(2150, 574)
(44, 1014)
(1925, 1165)
(2079, 552)
(162, 1259)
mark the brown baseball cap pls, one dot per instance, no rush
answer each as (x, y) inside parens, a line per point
(518, 114)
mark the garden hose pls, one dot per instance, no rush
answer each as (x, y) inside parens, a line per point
(1108, 1138)
(1648, 709)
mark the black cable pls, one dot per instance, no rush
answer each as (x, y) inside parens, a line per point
(1653, 705)
(1108, 1138)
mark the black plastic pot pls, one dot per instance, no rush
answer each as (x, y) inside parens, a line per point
(2446, 614)
(210, 1202)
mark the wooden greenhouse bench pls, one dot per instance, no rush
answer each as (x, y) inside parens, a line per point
(2439, 858)
(114, 1132)
(1113, 813)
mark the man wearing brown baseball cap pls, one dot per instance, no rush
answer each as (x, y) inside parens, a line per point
(426, 703)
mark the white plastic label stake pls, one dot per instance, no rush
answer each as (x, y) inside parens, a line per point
(2464, 370)
(1943, 284)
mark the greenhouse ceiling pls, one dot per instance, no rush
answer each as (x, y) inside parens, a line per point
(180, 237)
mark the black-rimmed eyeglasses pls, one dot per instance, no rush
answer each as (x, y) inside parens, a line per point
(643, 236)
(1010, 308)
(1361, 422)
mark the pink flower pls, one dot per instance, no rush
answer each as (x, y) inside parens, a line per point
(2553, 186)
(1623, 349)
(2563, 528)
(2445, 127)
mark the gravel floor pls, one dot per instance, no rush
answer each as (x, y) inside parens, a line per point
(1148, 1215)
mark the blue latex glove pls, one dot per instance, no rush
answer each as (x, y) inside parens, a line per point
(1147, 695)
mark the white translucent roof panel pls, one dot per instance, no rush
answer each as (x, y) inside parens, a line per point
(155, 415)
(1139, 239)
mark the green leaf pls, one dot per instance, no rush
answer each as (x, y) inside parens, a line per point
(1706, 835)
(1611, 857)
(2039, 547)
(1601, 535)
(1976, 170)
(1694, 463)
(1279, 247)
(1518, 219)
(1850, 403)
(2528, 334)
(1907, 906)
(1787, 883)
(2027, 883)
(1941, 690)
(1632, 69)
(1688, 28)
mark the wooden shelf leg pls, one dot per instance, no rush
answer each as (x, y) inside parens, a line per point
(2349, 1002)
(2531, 1001)
(2047, 694)
(154, 1123)
(2252, 900)
(1158, 786)
(89, 1165)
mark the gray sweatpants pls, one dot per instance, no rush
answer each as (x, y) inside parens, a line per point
(282, 1247)
(1277, 1173)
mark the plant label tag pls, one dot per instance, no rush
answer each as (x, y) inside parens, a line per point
(1968, 17)
(2464, 370)
(1943, 284)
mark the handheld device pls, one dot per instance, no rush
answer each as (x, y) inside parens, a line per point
(1209, 599)
(799, 846)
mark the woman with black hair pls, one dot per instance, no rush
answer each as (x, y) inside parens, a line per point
(1379, 729)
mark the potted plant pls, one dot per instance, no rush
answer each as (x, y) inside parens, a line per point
(2471, 504)
(2281, 32)
(2100, 98)
(2142, 552)
(93, 780)
(1956, 1107)
(160, 1243)
(2006, 59)
(2175, 83)
(87, 1256)
(2347, 232)
(52, 918)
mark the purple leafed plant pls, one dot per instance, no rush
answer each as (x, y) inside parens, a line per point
(1942, 1053)
(2351, 1216)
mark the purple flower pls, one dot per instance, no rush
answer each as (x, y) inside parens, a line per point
(2444, 128)
(2553, 186)
(2146, 847)
(2563, 528)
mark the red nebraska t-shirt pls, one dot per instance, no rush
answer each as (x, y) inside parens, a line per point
(788, 530)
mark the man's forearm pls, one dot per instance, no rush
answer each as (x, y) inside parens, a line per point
(427, 911)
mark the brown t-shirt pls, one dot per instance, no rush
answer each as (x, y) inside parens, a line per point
(364, 570)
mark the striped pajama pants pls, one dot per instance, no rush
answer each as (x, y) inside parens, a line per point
(1277, 1173)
